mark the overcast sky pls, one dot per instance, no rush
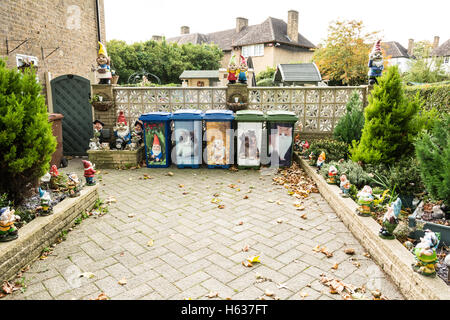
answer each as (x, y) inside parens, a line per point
(398, 20)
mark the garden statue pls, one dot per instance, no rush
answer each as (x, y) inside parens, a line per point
(156, 152)
(137, 136)
(310, 157)
(8, 231)
(332, 173)
(98, 133)
(243, 71)
(55, 179)
(375, 63)
(45, 179)
(103, 65)
(345, 186)
(365, 201)
(305, 146)
(320, 161)
(46, 203)
(232, 70)
(390, 220)
(425, 254)
(122, 132)
(89, 172)
(73, 185)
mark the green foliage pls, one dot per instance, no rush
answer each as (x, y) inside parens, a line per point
(389, 129)
(266, 74)
(265, 83)
(349, 127)
(165, 60)
(355, 173)
(334, 150)
(433, 155)
(26, 139)
(433, 96)
(4, 202)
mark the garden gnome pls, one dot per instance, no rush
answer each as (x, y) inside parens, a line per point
(138, 133)
(375, 63)
(305, 146)
(122, 132)
(345, 186)
(73, 185)
(8, 231)
(98, 131)
(320, 160)
(365, 201)
(390, 220)
(54, 180)
(232, 70)
(156, 153)
(425, 254)
(332, 173)
(243, 71)
(89, 172)
(46, 203)
(103, 65)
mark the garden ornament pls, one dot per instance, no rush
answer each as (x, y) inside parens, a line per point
(54, 171)
(305, 146)
(8, 231)
(332, 173)
(375, 63)
(98, 132)
(447, 263)
(390, 220)
(73, 185)
(320, 160)
(89, 172)
(46, 203)
(137, 136)
(243, 71)
(365, 201)
(122, 132)
(311, 155)
(345, 186)
(425, 254)
(232, 70)
(103, 65)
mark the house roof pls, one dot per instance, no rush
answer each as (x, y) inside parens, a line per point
(299, 72)
(271, 30)
(395, 49)
(200, 74)
(443, 50)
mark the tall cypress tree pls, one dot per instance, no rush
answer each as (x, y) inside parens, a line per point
(26, 139)
(389, 128)
(350, 126)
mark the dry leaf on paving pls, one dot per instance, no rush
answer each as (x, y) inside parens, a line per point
(215, 200)
(279, 202)
(303, 216)
(349, 251)
(170, 174)
(122, 282)
(216, 195)
(181, 185)
(247, 264)
(317, 248)
(212, 294)
(150, 243)
(279, 220)
(336, 266)
(88, 275)
(304, 294)
(102, 296)
(301, 208)
(221, 206)
(245, 249)
(325, 252)
(240, 223)
(131, 215)
(253, 259)
(245, 197)
(269, 293)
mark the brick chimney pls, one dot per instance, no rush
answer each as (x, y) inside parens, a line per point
(241, 23)
(157, 38)
(410, 46)
(436, 42)
(185, 30)
(292, 25)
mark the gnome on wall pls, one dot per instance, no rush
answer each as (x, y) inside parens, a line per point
(122, 132)
(375, 63)
(89, 172)
(103, 66)
(233, 70)
(243, 71)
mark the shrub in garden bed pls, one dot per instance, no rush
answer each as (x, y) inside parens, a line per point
(434, 96)
(350, 126)
(334, 150)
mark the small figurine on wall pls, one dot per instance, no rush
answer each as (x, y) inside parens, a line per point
(375, 63)
(390, 220)
(98, 131)
(89, 173)
(320, 161)
(73, 185)
(332, 173)
(122, 132)
(138, 133)
(232, 70)
(365, 201)
(156, 153)
(103, 65)
(345, 186)
(243, 71)
(46, 203)
(8, 231)
(425, 254)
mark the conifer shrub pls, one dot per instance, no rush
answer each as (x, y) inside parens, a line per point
(26, 139)
(433, 154)
(349, 127)
(334, 150)
(389, 126)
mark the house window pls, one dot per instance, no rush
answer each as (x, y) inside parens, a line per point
(256, 50)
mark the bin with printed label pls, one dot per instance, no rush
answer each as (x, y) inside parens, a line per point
(280, 132)
(157, 138)
(249, 126)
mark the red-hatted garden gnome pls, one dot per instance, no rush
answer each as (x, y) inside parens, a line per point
(89, 172)
(122, 132)
(375, 63)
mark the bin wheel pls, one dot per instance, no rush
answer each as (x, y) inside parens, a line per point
(64, 162)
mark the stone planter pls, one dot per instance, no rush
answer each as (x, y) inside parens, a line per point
(112, 159)
(435, 227)
(42, 232)
(390, 255)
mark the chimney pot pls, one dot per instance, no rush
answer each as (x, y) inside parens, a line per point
(185, 30)
(292, 25)
(241, 23)
(436, 42)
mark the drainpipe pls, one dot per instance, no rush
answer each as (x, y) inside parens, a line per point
(97, 10)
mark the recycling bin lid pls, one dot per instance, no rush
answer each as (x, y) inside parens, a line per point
(156, 116)
(250, 115)
(219, 115)
(281, 116)
(187, 114)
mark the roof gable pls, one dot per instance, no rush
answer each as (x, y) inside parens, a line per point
(299, 72)
(395, 49)
(443, 50)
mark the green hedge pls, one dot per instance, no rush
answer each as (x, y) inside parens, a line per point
(434, 95)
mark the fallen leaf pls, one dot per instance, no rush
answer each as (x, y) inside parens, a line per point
(245, 249)
(279, 220)
(150, 243)
(279, 202)
(102, 296)
(303, 216)
(316, 248)
(185, 193)
(253, 259)
(349, 251)
(215, 195)
(122, 282)
(376, 293)
(221, 206)
(247, 264)
(357, 264)
(131, 215)
(215, 200)
(240, 223)
(301, 208)
(88, 275)
(181, 185)
(271, 201)
(170, 174)
(325, 252)
(269, 293)
(7, 288)
(245, 197)
(212, 294)
(335, 267)
(304, 294)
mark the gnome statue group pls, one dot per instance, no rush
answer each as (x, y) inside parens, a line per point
(237, 70)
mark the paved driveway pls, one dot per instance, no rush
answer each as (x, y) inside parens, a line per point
(166, 238)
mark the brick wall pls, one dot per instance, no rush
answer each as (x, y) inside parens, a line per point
(68, 24)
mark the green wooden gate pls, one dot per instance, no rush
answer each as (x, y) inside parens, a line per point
(70, 95)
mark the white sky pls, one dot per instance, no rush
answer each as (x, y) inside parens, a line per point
(398, 20)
